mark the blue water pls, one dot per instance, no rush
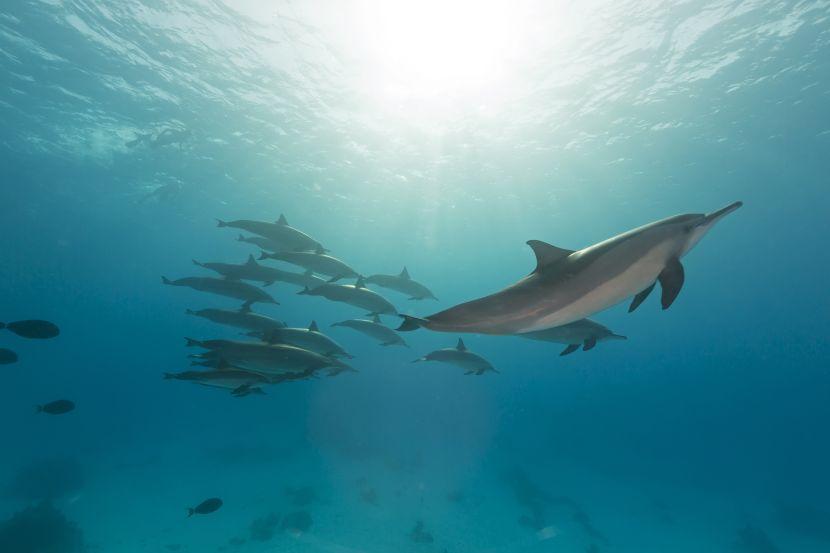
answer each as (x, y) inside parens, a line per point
(708, 426)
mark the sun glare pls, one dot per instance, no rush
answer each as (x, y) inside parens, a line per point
(437, 53)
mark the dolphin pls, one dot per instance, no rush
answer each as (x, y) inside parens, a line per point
(261, 242)
(243, 318)
(307, 338)
(374, 329)
(280, 233)
(568, 285)
(583, 332)
(251, 270)
(471, 362)
(354, 294)
(230, 288)
(268, 359)
(402, 283)
(316, 261)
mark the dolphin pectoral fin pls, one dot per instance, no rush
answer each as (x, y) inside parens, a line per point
(570, 349)
(589, 344)
(671, 281)
(640, 298)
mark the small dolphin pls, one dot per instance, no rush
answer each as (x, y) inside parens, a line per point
(374, 329)
(570, 285)
(251, 270)
(230, 288)
(229, 378)
(261, 242)
(268, 359)
(584, 332)
(307, 338)
(280, 233)
(402, 283)
(243, 318)
(471, 362)
(354, 294)
(315, 261)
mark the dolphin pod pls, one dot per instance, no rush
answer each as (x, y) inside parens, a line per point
(569, 285)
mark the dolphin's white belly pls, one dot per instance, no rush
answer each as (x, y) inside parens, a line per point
(609, 291)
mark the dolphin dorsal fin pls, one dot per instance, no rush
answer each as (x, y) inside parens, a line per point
(376, 318)
(361, 283)
(251, 260)
(547, 254)
(460, 345)
(313, 327)
(282, 220)
(405, 274)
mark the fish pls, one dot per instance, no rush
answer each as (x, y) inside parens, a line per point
(243, 318)
(316, 261)
(268, 359)
(279, 233)
(402, 283)
(307, 338)
(35, 329)
(584, 332)
(57, 407)
(460, 356)
(206, 507)
(374, 329)
(354, 294)
(229, 288)
(568, 285)
(7, 356)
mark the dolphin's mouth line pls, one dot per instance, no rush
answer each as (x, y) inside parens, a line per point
(723, 212)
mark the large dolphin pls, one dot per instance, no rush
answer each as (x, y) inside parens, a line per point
(243, 318)
(251, 270)
(280, 233)
(307, 338)
(223, 287)
(584, 332)
(402, 283)
(570, 285)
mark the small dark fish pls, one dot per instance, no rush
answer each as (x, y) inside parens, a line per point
(7, 356)
(58, 407)
(205, 507)
(32, 329)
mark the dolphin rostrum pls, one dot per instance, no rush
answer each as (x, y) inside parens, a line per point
(570, 285)
(584, 332)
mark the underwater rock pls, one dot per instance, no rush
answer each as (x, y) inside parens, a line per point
(206, 507)
(58, 407)
(34, 329)
(752, 539)
(40, 529)
(7, 356)
(51, 478)
(419, 535)
(297, 522)
(263, 529)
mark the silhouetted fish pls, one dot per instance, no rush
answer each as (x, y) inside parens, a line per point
(205, 507)
(58, 407)
(7, 356)
(33, 329)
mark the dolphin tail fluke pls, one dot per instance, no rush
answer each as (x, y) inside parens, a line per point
(169, 376)
(411, 323)
(2, 326)
(589, 344)
(189, 312)
(197, 263)
(263, 255)
(305, 291)
(240, 238)
(165, 280)
(190, 513)
(220, 223)
(569, 350)
(671, 281)
(191, 343)
(640, 298)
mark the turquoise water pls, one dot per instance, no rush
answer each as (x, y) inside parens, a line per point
(440, 138)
